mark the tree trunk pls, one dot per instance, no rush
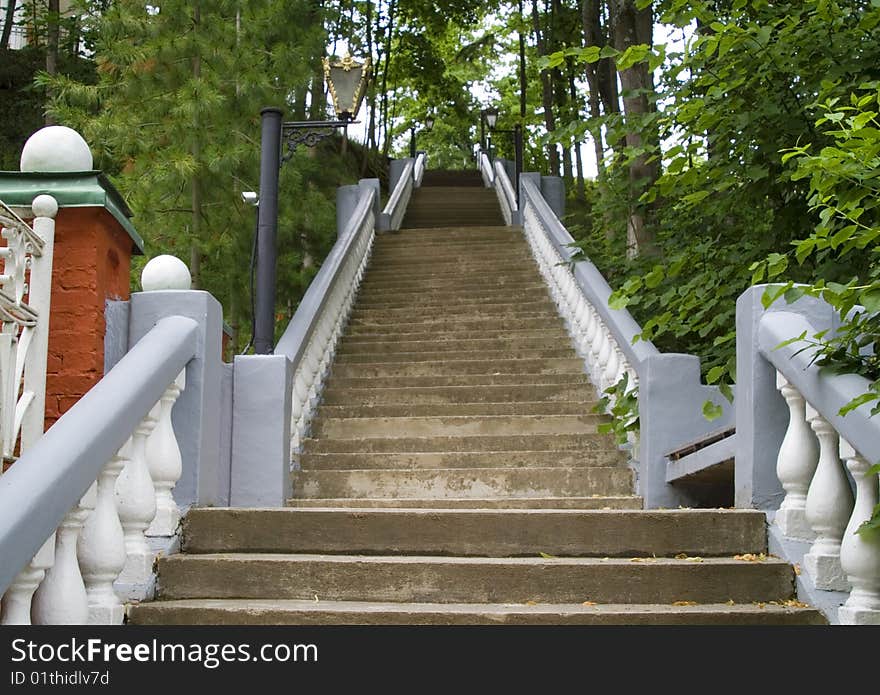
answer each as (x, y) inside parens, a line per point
(579, 192)
(523, 81)
(546, 91)
(8, 24)
(633, 27)
(195, 263)
(53, 34)
(370, 134)
(386, 141)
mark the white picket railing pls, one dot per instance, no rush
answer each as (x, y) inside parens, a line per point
(819, 505)
(76, 507)
(311, 337)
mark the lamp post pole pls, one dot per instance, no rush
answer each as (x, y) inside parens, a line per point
(267, 231)
(412, 142)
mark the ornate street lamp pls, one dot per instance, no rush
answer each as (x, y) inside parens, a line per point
(347, 82)
(429, 125)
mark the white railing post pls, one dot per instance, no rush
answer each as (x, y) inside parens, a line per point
(828, 508)
(795, 464)
(101, 548)
(136, 501)
(18, 599)
(61, 598)
(165, 463)
(860, 552)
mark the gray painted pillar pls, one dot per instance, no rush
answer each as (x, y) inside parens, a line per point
(373, 184)
(116, 319)
(535, 178)
(196, 416)
(346, 202)
(761, 411)
(261, 431)
(553, 190)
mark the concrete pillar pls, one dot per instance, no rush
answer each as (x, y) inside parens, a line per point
(553, 190)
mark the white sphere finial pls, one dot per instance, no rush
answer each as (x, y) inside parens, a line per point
(56, 148)
(165, 273)
(44, 206)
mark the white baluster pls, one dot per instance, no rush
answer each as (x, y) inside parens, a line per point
(795, 464)
(602, 360)
(300, 394)
(164, 462)
(136, 501)
(860, 552)
(101, 548)
(829, 506)
(18, 597)
(61, 598)
(609, 375)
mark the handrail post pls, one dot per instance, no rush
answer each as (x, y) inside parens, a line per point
(518, 156)
(267, 230)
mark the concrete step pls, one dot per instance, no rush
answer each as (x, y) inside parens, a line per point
(467, 271)
(442, 254)
(395, 282)
(460, 459)
(454, 426)
(450, 327)
(507, 502)
(498, 533)
(410, 410)
(511, 312)
(516, 353)
(351, 345)
(465, 380)
(557, 481)
(460, 395)
(477, 580)
(311, 612)
(585, 443)
(359, 336)
(556, 365)
(426, 300)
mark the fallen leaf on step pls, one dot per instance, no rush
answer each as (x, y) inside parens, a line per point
(730, 602)
(751, 557)
(681, 556)
(684, 603)
(548, 557)
(759, 604)
(794, 603)
(643, 559)
(797, 569)
(531, 603)
(316, 598)
(588, 603)
(694, 559)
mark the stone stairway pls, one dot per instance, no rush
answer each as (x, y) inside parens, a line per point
(455, 475)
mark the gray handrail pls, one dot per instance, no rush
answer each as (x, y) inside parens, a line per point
(55, 472)
(419, 169)
(395, 208)
(827, 393)
(506, 194)
(298, 332)
(591, 282)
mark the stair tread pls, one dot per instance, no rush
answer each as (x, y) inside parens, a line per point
(456, 503)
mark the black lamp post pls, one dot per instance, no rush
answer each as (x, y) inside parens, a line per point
(347, 81)
(429, 125)
(516, 131)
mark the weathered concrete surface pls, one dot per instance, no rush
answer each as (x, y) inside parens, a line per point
(461, 482)
(472, 579)
(460, 459)
(535, 442)
(311, 612)
(453, 426)
(455, 395)
(420, 410)
(508, 502)
(476, 532)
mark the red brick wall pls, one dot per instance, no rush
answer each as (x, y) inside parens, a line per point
(92, 262)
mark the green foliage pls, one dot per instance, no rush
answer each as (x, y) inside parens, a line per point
(175, 120)
(621, 402)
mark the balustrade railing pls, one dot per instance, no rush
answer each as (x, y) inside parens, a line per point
(486, 169)
(506, 194)
(823, 459)
(395, 208)
(603, 337)
(419, 170)
(310, 339)
(77, 504)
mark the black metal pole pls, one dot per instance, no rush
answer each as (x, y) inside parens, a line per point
(518, 155)
(489, 148)
(482, 132)
(412, 143)
(267, 231)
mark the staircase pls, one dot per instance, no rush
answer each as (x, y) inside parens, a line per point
(455, 474)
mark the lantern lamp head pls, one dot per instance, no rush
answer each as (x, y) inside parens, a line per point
(347, 81)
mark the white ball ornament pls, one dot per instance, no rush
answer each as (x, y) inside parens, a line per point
(165, 273)
(56, 148)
